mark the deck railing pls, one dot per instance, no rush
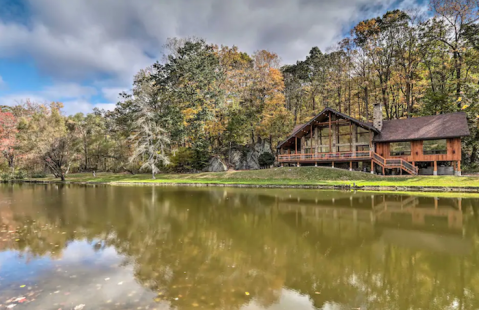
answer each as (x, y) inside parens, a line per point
(324, 156)
(340, 156)
(395, 163)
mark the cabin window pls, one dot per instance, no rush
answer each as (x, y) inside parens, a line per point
(362, 148)
(344, 139)
(324, 140)
(434, 147)
(400, 148)
(362, 135)
(324, 149)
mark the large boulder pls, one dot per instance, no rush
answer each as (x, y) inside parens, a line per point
(215, 165)
(237, 160)
(248, 159)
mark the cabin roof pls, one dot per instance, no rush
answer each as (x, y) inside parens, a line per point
(298, 128)
(451, 125)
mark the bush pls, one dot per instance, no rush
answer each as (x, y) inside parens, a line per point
(38, 175)
(201, 159)
(182, 161)
(266, 159)
(6, 176)
(19, 175)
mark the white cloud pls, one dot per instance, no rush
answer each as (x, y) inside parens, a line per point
(112, 93)
(104, 43)
(75, 98)
(79, 39)
(105, 106)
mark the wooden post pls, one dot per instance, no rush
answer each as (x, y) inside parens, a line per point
(311, 144)
(372, 166)
(332, 164)
(458, 172)
(350, 166)
(330, 147)
(435, 168)
(384, 171)
(296, 145)
(350, 136)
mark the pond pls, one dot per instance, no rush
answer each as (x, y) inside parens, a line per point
(127, 247)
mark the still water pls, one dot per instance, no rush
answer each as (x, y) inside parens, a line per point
(112, 247)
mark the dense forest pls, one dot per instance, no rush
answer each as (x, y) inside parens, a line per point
(201, 100)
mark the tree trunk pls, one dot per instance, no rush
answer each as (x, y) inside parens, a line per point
(366, 102)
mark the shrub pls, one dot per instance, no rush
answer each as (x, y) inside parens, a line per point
(266, 159)
(182, 160)
(38, 175)
(19, 175)
(200, 159)
(6, 176)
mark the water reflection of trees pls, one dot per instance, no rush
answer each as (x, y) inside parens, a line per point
(209, 247)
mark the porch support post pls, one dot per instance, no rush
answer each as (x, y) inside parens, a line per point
(435, 168)
(296, 145)
(384, 171)
(458, 168)
(316, 164)
(332, 164)
(330, 133)
(372, 167)
(350, 166)
(311, 144)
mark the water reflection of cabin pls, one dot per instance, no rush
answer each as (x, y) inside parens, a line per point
(413, 222)
(422, 145)
(406, 211)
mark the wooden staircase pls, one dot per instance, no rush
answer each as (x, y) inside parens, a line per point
(394, 163)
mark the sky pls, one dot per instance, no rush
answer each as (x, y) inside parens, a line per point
(85, 52)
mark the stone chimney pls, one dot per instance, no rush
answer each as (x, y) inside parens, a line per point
(378, 116)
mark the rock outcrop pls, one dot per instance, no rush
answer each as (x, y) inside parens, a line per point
(216, 165)
(248, 159)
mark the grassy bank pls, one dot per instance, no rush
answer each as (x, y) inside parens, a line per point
(284, 176)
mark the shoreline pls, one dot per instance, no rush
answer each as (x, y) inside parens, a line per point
(378, 188)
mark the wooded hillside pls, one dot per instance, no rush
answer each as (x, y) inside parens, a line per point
(202, 100)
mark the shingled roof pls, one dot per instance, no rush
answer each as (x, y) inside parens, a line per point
(452, 125)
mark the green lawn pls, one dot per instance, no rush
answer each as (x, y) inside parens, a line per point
(285, 176)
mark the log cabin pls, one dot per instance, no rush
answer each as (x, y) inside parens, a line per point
(429, 145)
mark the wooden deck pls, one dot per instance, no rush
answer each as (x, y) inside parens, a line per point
(324, 157)
(398, 163)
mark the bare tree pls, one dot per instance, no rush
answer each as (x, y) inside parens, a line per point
(150, 137)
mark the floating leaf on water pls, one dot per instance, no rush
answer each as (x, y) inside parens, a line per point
(246, 293)
(22, 286)
(194, 304)
(317, 293)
